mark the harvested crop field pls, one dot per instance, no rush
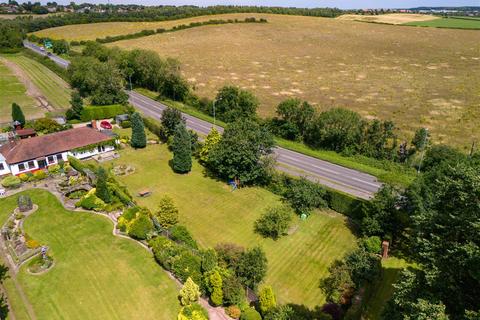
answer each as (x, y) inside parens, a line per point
(101, 30)
(413, 76)
(457, 23)
(391, 18)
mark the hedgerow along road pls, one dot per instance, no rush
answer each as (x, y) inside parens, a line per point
(333, 176)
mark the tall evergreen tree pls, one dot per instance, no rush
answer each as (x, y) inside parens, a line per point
(76, 102)
(139, 139)
(182, 150)
(17, 114)
(101, 188)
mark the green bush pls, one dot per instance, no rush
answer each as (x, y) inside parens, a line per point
(91, 202)
(344, 204)
(119, 193)
(155, 127)
(193, 312)
(40, 175)
(11, 182)
(76, 164)
(274, 222)
(125, 124)
(140, 227)
(372, 244)
(54, 169)
(250, 314)
(23, 177)
(101, 112)
(233, 311)
(304, 195)
(182, 235)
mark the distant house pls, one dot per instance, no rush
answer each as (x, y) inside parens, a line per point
(26, 155)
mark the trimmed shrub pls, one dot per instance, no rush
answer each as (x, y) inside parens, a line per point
(125, 124)
(76, 164)
(101, 112)
(23, 177)
(91, 202)
(267, 300)
(193, 312)
(250, 314)
(40, 175)
(344, 204)
(119, 193)
(140, 227)
(54, 169)
(167, 213)
(233, 311)
(11, 182)
(181, 234)
(155, 127)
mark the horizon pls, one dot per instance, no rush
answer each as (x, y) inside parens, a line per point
(341, 4)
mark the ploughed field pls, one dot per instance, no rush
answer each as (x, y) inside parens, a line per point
(214, 214)
(414, 76)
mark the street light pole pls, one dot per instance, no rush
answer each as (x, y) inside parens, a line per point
(214, 113)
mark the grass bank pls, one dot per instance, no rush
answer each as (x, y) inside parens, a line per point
(96, 275)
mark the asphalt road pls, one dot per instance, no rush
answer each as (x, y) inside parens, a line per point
(350, 181)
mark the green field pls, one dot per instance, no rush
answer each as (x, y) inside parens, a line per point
(455, 23)
(214, 214)
(12, 90)
(96, 275)
(52, 87)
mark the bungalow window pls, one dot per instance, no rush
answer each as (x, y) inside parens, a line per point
(21, 167)
(50, 159)
(59, 157)
(31, 164)
(2, 167)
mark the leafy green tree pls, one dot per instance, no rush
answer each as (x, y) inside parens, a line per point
(233, 103)
(379, 140)
(189, 293)
(139, 138)
(364, 266)
(233, 292)
(266, 299)
(297, 115)
(304, 195)
(76, 103)
(281, 313)
(167, 212)
(420, 140)
(175, 87)
(17, 114)
(274, 222)
(60, 46)
(141, 226)
(102, 190)
(252, 267)
(338, 286)
(336, 129)
(250, 314)
(438, 154)
(216, 284)
(445, 234)
(211, 140)
(11, 37)
(209, 260)
(242, 153)
(381, 216)
(182, 150)
(171, 118)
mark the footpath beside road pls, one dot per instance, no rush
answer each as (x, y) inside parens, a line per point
(352, 182)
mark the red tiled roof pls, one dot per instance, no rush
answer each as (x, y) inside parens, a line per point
(25, 132)
(41, 146)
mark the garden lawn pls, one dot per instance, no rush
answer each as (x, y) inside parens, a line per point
(12, 90)
(54, 88)
(96, 275)
(215, 214)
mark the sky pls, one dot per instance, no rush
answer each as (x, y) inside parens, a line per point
(343, 4)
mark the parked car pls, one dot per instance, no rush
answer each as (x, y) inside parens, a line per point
(105, 125)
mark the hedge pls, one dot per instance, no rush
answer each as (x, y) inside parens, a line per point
(155, 127)
(76, 164)
(101, 112)
(344, 203)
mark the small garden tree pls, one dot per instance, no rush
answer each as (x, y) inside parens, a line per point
(17, 114)
(304, 195)
(252, 267)
(167, 213)
(139, 139)
(216, 285)
(189, 293)
(212, 139)
(140, 227)
(101, 188)
(267, 299)
(171, 118)
(274, 222)
(76, 103)
(182, 150)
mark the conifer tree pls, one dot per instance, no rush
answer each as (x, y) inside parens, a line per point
(139, 139)
(76, 102)
(101, 188)
(17, 114)
(189, 293)
(182, 150)
(212, 139)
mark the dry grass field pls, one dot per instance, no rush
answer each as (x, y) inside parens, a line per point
(391, 18)
(413, 76)
(101, 30)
